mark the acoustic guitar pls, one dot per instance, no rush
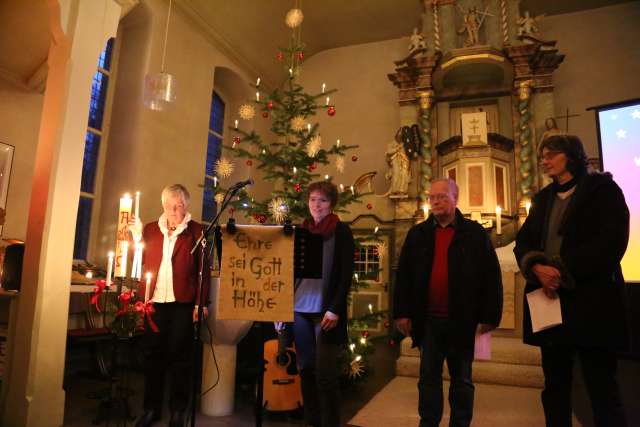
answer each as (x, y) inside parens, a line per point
(281, 384)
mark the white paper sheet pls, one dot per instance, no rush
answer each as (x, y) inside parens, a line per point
(545, 312)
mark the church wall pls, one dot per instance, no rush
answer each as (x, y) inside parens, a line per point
(601, 66)
(367, 112)
(20, 112)
(149, 149)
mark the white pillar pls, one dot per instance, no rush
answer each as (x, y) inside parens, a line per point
(79, 31)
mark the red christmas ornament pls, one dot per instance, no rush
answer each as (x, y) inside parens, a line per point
(313, 166)
(300, 55)
(265, 114)
(236, 140)
(365, 334)
(249, 163)
(369, 206)
(331, 111)
(270, 105)
(280, 56)
(298, 188)
(354, 158)
(262, 219)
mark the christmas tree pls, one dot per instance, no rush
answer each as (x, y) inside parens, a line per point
(288, 158)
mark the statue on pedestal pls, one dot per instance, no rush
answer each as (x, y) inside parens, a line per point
(399, 168)
(473, 20)
(416, 42)
(527, 25)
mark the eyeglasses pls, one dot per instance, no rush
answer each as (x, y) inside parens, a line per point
(549, 155)
(437, 197)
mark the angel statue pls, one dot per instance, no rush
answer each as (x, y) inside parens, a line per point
(399, 168)
(416, 41)
(527, 25)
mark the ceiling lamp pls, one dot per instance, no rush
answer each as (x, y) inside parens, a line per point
(160, 88)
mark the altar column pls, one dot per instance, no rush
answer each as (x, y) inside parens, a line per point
(79, 31)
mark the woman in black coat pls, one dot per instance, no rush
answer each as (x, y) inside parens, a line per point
(571, 245)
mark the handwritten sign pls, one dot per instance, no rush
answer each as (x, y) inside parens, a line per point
(256, 279)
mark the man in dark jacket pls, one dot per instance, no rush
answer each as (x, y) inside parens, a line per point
(448, 288)
(571, 245)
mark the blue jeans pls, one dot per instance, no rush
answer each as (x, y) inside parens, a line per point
(435, 348)
(319, 371)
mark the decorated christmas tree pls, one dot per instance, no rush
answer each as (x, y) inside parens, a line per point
(288, 158)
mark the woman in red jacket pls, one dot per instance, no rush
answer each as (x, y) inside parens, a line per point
(174, 292)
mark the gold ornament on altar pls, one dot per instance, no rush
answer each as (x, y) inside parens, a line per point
(297, 123)
(524, 89)
(356, 368)
(224, 167)
(247, 112)
(294, 18)
(340, 164)
(313, 147)
(219, 198)
(278, 209)
(426, 98)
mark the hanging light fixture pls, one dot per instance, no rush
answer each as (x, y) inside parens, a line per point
(160, 88)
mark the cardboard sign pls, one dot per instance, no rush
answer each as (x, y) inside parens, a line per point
(256, 277)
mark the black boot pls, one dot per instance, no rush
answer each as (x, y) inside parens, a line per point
(178, 419)
(148, 418)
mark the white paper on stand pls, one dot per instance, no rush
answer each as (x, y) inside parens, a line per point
(482, 348)
(545, 312)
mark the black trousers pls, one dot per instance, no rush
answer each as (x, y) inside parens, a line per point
(168, 353)
(599, 368)
(319, 371)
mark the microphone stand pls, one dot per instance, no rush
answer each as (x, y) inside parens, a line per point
(197, 348)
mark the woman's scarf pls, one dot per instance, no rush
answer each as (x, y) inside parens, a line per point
(326, 227)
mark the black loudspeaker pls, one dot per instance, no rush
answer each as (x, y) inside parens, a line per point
(12, 267)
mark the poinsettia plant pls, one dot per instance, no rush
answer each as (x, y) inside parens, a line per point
(129, 311)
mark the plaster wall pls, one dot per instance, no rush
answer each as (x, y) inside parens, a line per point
(20, 112)
(149, 150)
(601, 66)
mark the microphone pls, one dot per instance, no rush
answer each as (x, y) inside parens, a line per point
(240, 184)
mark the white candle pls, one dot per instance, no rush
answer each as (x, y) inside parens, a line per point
(498, 220)
(327, 101)
(236, 123)
(147, 288)
(370, 308)
(527, 207)
(109, 267)
(308, 127)
(375, 230)
(291, 71)
(353, 191)
(323, 87)
(341, 187)
(338, 143)
(124, 253)
(425, 210)
(326, 177)
(258, 82)
(134, 263)
(295, 169)
(89, 274)
(215, 181)
(258, 96)
(137, 205)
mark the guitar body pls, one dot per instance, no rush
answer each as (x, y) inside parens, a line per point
(281, 384)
